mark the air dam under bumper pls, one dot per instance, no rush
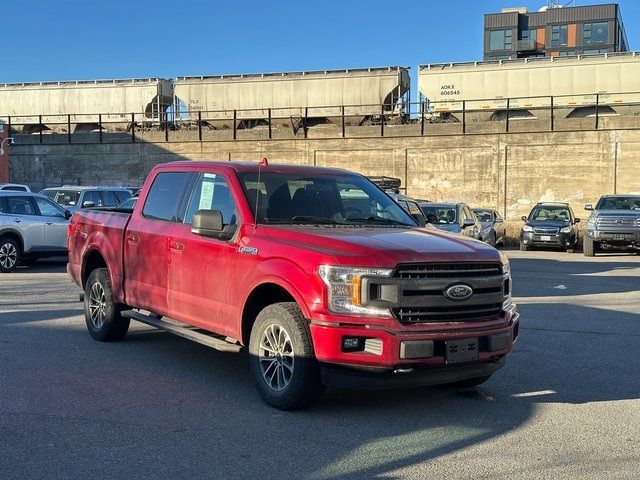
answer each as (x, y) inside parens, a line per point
(340, 377)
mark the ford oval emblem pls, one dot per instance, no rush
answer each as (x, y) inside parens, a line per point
(459, 291)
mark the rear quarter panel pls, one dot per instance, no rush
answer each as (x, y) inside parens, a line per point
(102, 232)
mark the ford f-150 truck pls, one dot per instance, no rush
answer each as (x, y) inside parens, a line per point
(613, 225)
(320, 274)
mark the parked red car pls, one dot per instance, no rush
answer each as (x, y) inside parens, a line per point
(321, 275)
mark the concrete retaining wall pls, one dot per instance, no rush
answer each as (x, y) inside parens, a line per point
(510, 172)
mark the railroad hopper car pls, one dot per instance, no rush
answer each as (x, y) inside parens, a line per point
(577, 84)
(364, 94)
(81, 105)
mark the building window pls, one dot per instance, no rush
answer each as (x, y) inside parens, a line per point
(567, 53)
(528, 35)
(495, 58)
(595, 33)
(558, 35)
(595, 51)
(500, 40)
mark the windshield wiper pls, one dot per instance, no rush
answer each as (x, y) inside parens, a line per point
(379, 220)
(313, 220)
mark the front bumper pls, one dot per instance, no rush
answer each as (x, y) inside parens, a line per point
(392, 347)
(609, 236)
(559, 240)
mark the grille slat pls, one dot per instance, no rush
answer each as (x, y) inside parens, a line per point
(444, 314)
(448, 270)
(626, 221)
(546, 230)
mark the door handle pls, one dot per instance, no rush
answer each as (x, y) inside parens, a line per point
(17, 220)
(49, 223)
(133, 239)
(176, 247)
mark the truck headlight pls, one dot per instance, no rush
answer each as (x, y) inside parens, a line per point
(527, 228)
(565, 230)
(344, 287)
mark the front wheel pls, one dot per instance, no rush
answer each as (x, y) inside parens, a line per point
(282, 361)
(9, 254)
(101, 313)
(589, 247)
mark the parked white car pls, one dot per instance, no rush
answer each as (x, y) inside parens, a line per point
(31, 226)
(73, 197)
(16, 187)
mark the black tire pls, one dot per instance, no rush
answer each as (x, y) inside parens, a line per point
(492, 240)
(470, 382)
(523, 247)
(297, 368)
(9, 254)
(107, 323)
(589, 247)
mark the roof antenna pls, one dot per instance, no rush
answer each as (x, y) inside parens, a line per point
(262, 163)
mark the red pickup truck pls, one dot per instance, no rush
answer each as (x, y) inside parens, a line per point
(320, 274)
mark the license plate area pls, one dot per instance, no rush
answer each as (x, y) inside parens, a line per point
(545, 238)
(464, 350)
(618, 236)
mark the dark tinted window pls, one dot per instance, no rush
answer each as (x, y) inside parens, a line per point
(483, 215)
(212, 193)
(20, 206)
(165, 195)
(122, 195)
(16, 188)
(109, 199)
(92, 196)
(619, 203)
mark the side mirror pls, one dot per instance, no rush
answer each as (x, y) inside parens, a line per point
(208, 223)
(523, 218)
(468, 222)
(577, 220)
(420, 220)
(88, 204)
(431, 218)
(67, 214)
(588, 206)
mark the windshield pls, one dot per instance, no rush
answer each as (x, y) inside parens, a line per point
(541, 214)
(63, 197)
(443, 214)
(619, 203)
(294, 198)
(483, 215)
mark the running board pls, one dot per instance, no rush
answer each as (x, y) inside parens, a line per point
(186, 332)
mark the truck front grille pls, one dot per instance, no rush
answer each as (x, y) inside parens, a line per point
(421, 292)
(618, 222)
(447, 270)
(455, 313)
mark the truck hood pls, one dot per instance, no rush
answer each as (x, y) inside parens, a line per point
(384, 247)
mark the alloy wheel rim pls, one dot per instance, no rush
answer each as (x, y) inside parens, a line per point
(8, 255)
(276, 357)
(97, 305)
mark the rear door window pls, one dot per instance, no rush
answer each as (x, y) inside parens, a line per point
(20, 206)
(48, 208)
(165, 195)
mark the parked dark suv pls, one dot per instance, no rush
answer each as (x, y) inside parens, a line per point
(550, 225)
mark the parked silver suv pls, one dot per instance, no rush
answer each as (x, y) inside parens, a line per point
(31, 226)
(73, 197)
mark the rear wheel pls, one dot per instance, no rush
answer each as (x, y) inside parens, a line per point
(102, 314)
(9, 254)
(282, 361)
(589, 247)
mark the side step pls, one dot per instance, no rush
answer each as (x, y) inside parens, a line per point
(186, 332)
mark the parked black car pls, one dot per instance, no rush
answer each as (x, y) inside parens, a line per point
(493, 229)
(452, 217)
(550, 225)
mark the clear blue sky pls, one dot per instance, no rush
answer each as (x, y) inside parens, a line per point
(87, 39)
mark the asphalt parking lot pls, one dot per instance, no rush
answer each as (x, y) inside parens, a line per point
(567, 405)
